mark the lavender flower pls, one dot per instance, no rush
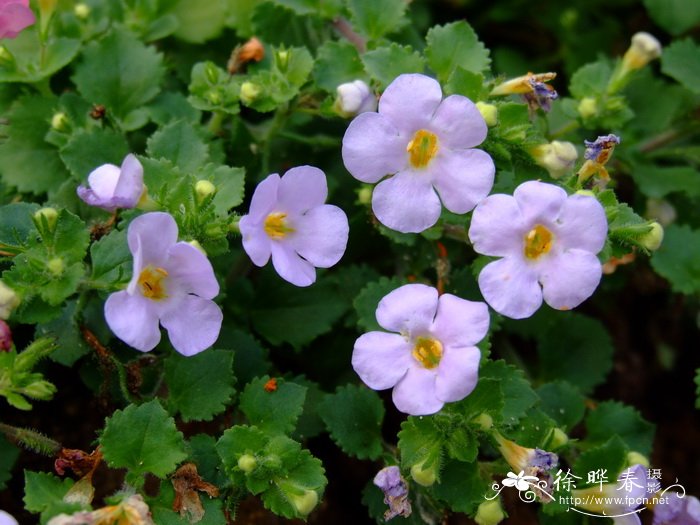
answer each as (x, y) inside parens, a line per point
(112, 187)
(289, 221)
(677, 509)
(426, 145)
(7, 519)
(173, 283)
(15, 15)
(395, 491)
(547, 243)
(430, 358)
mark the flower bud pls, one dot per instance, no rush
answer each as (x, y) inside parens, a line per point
(643, 49)
(5, 337)
(45, 219)
(587, 193)
(489, 112)
(214, 97)
(9, 300)
(250, 92)
(635, 458)
(56, 266)
(60, 121)
(282, 58)
(212, 72)
(39, 390)
(247, 463)
(559, 438)
(425, 477)
(652, 240)
(557, 157)
(588, 107)
(304, 503)
(364, 194)
(490, 513)
(195, 243)
(81, 10)
(204, 189)
(484, 421)
(354, 98)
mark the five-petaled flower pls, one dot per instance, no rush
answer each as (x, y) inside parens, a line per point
(15, 15)
(173, 283)
(289, 221)
(677, 509)
(547, 242)
(113, 187)
(430, 358)
(426, 145)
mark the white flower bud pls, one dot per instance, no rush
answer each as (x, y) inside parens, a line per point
(489, 112)
(9, 300)
(557, 157)
(652, 240)
(354, 98)
(424, 476)
(249, 92)
(82, 10)
(644, 49)
(305, 503)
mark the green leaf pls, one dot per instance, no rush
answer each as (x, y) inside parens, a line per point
(534, 429)
(386, 63)
(486, 398)
(70, 342)
(681, 60)
(659, 181)
(614, 418)
(337, 63)
(213, 89)
(376, 18)
(229, 184)
(180, 143)
(461, 486)
(590, 80)
(276, 24)
(678, 259)
(354, 417)
(675, 16)
(562, 402)
(164, 515)
(465, 83)
(367, 301)
(130, 73)
(276, 411)
(171, 106)
(576, 349)
(34, 62)
(200, 386)
(237, 441)
(455, 45)
(200, 20)
(420, 442)
(143, 439)
(8, 457)
(111, 258)
(44, 493)
(27, 161)
(518, 395)
(86, 151)
(611, 456)
(16, 226)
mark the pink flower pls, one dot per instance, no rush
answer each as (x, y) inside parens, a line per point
(547, 242)
(15, 15)
(289, 222)
(430, 357)
(173, 284)
(112, 187)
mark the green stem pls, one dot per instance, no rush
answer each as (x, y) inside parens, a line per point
(278, 122)
(31, 439)
(215, 122)
(324, 141)
(564, 130)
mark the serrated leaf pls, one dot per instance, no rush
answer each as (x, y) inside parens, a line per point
(44, 492)
(455, 45)
(273, 411)
(534, 429)
(16, 226)
(610, 456)
(465, 83)
(180, 143)
(576, 349)
(386, 63)
(354, 417)
(229, 182)
(237, 441)
(461, 486)
(130, 73)
(614, 418)
(34, 61)
(279, 25)
(172, 106)
(200, 386)
(213, 89)
(200, 20)
(562, 402)
(487, 398)
(678, 258)
(659, 181)
(86, 151)
(111, 258)
(337, 63)
(368, 299)
(420, 442)
(71, 345)
(376, 18)
(675, 16)
(143, 439)
(518, 395)
(681, 60)
(590, 80)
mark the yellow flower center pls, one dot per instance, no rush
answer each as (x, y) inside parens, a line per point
(538, 241)
(427, 352)
(151, 282)
(276, 225)
(422, 148)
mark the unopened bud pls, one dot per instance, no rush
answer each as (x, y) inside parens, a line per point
(9, 300)
(304, 503)
(354, 98)
(425, 477)
(282, 58)
(56, 266)
(484, 421)
(60, 121)
(46, 217)
(557, 157)
(643, 49)
(39, 390)
(559, 438)
(5, 337)
(6, 58)
(490, 513)
(635, 458)
(212, 72)
(81, 10)
(588, 107)
(652, 240)
(249, 92)
(204, 189)
(489, 112)
(247, 463)
(364, 194)
(587, 193)
(214, 97)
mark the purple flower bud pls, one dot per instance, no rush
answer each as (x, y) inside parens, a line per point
(15, 15)
(5, 337)
(601, 148)
(113, 187)
(395, 491)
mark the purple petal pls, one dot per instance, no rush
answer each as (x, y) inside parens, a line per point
(460, 323)
(192, 271)
(677, 509)
(290, 266)
(457, 373)
(389, 480)
(410, 101)
(416, 394)
(381, 359)
(89, 197)
(406, 202)
(373, 148)
(540, 202)
(14, 18)
(510, 287)
(301, 189)
(497, 227)
(458, 123)
(410, 309)
(629, 519)
(321, 235)
(463, 178)
(130, 184)
(133, 319)
(582, 224)
(256, 243)
(157, 232)
(103, 181)
(569, 278)
(193, 324)
(264, 199)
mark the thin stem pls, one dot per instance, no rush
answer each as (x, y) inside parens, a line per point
(31, 439)
(345, 29)
(276, 126)
(215, 122)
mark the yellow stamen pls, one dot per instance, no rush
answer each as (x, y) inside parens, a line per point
(427, 352)
(151, 282)
(276, 225)
(422, 148)
(538, 241)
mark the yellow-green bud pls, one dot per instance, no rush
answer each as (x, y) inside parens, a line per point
(81, 10)
(6, 58)
(56, 266)
(247, 463)
(425, 477)
(214, 97)
(489, 112)
(39, 390)
(195, 243)
(484, 421)
(643, 49)
(9, 300)
(588, 107)
(635, 458)
(587, 193)
(249, 92)
(490, 513)
(557, 157)
(559, 438)
(652, 240)
(60, 121)
(282, 60)
(204, 189)
(304, 503)
(364, 194)
(50, 215)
